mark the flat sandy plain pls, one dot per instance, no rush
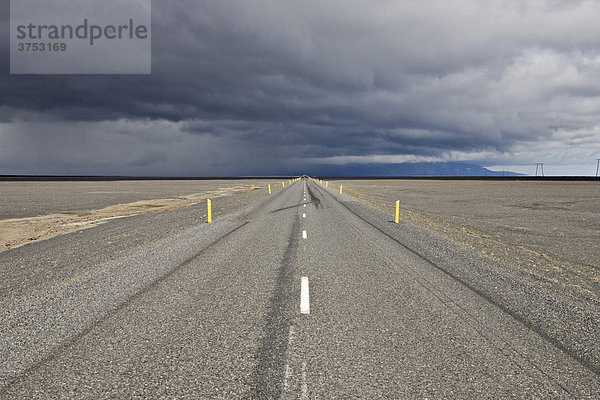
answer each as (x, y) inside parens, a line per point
(33, 211)
(549, 228)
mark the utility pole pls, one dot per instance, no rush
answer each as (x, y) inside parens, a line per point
(597, 166)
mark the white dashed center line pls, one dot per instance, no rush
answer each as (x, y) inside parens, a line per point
(288, 374)
(288, 369)
(304, 215)
(304, 296)
(304, 395)
(304, 235)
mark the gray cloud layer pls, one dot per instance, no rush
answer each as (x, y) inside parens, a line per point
(245, 87)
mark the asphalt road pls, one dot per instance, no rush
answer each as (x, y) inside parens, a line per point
(219, 311)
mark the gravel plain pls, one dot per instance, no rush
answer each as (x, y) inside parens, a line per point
(28, 199)
(40, 210)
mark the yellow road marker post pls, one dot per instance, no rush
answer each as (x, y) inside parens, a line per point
(209, 208)
(326, 183)
(269, 189)
(397, 219)
(340, 189)
(282, 184)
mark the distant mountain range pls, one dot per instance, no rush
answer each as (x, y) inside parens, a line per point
(424, 169)
(406, 169)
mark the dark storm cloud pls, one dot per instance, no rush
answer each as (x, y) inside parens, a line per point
(268, 83)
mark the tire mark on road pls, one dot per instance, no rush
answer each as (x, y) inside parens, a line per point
(72, 340)
(313, 198)
(268, 377)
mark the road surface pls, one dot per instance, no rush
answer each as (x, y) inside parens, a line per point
(303, 294)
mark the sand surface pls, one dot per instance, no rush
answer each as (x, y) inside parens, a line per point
(16, 232)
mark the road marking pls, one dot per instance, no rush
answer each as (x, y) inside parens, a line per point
(288, 370)
(304, 382)
(291, 335)
(304, 215)
(305, 206)
(304, 296)
(287, 376)
(303, 234)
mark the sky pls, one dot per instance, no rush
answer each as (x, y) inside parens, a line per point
(270, 87)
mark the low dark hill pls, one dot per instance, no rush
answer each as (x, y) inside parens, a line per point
(406, 169)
